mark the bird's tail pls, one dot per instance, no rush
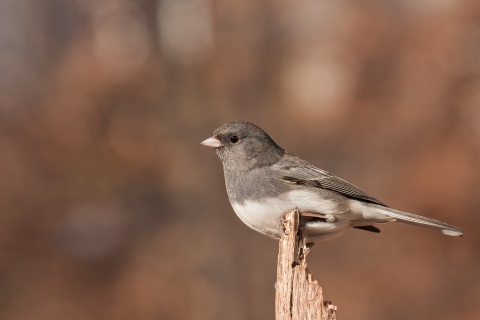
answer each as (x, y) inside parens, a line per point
(420, 221)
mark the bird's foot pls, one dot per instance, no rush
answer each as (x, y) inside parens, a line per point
(329, 217)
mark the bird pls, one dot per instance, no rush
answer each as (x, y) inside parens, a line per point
(264, 181)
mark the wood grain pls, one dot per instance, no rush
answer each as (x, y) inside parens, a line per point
(298, 295)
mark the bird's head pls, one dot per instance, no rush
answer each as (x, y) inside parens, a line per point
(243, 145)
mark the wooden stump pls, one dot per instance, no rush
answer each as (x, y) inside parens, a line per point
(298, 296)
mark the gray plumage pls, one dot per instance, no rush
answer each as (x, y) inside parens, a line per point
(264, 181)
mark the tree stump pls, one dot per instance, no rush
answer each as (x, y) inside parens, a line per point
(298, 296)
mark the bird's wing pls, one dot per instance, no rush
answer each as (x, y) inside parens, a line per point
(299, 171)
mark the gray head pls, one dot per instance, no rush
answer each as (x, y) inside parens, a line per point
(242, 146)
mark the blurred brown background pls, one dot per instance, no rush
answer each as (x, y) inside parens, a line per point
(111, 209)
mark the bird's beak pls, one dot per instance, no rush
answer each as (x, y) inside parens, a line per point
(212, 142)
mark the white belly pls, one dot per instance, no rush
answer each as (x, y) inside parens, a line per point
(263, 216)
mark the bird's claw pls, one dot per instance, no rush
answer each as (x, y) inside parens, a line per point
(329, 217)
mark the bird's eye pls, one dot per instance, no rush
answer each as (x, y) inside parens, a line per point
(234, 139)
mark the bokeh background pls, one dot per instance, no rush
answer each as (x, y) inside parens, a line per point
(111, 209)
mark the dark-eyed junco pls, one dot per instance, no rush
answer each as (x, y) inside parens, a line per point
(264, 182)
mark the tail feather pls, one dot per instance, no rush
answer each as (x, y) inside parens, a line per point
(419, 221)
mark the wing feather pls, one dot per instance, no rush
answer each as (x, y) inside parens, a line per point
(298, 171)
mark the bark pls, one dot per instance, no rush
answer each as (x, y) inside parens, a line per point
(298, 296)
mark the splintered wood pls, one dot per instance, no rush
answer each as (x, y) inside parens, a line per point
(298, 296)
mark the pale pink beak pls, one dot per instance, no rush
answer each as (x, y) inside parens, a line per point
(212, 142)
